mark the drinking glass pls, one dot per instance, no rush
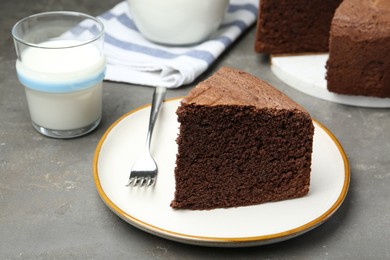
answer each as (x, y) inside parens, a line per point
(61, 64)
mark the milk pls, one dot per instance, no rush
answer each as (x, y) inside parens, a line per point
(63, 85)
(177, 22)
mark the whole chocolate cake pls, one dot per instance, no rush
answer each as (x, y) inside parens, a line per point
(294, 26)
(359, 55)
(355, 32)
(241, 142)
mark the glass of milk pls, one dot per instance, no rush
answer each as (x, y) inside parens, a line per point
(61, 64)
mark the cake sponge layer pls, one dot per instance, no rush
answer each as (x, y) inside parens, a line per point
(235, 150)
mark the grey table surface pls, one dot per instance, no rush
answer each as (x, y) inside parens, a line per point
(49, 206)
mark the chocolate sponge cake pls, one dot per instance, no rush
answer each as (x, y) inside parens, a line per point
(359, 55)
(241, 142)
(356, 33)
(294, 26)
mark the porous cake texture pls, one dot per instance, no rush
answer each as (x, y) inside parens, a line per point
(359, 55)
(294, 26)
(241, 142)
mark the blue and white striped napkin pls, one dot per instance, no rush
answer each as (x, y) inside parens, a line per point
(133, 59)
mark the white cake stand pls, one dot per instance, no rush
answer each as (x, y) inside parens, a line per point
(306, 73)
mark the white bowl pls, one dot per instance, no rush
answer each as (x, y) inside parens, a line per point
(177, 22)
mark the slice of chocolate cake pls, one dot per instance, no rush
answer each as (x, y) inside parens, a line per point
(241, 142)
(294, 26)
(359, 53)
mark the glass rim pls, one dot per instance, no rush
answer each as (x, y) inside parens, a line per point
(66, 13)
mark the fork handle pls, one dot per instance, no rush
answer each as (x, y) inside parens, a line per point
(158, 98)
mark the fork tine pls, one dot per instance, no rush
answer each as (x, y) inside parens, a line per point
(138, 181)
(141, 181)
(151, 181)
(148, 180)
(131, 180)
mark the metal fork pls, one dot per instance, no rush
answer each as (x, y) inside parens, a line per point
(144, 170)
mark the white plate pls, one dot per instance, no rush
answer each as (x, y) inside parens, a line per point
(306, 73)
(149, 210)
